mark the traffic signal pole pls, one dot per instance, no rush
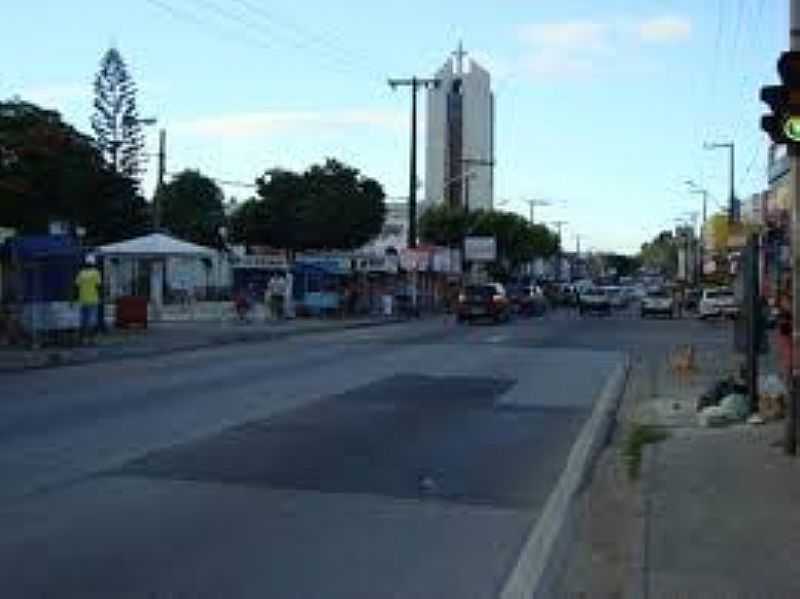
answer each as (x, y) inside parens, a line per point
(794, 404)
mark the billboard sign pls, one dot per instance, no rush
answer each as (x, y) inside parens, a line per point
(480, 249)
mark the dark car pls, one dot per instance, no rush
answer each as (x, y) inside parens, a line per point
(528, 300)
(488, 300)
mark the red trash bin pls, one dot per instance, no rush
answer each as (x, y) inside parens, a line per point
(131, 311)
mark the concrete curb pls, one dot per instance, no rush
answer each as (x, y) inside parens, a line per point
(639, 575)
(60, 358)
(539, 561)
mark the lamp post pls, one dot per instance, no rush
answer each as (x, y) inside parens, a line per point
(222, 232)
(731, 147)
(696, 189)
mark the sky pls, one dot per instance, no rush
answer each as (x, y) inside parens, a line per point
(603, 106)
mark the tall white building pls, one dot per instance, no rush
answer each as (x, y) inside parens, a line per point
(460, 136)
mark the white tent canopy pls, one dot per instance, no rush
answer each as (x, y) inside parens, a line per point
(155, 245)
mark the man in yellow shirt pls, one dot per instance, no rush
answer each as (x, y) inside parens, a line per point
(88, 283)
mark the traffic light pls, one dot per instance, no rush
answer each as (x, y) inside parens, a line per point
(783, 125)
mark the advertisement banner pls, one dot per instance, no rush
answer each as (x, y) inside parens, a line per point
(480, 249)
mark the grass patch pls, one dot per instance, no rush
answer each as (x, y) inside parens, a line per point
(638, 436)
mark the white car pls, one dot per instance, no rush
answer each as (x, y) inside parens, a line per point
(594, 299)
(717, 302)
(658, 301)
(616, 296)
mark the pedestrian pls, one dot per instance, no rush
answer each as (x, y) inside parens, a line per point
(88, 282)
(277, 299)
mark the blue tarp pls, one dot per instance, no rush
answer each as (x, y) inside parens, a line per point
(41, 247)
(42, 267)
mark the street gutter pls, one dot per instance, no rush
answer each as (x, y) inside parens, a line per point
(547, 546)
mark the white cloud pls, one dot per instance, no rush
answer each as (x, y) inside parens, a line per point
(57, 95)
(255, 124)
(664, 29)
(568, 48)
(568, 34)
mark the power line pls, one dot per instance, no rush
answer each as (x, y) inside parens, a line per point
(254, 35)
(308, 38)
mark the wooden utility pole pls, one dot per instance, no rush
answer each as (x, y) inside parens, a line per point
(414, 83)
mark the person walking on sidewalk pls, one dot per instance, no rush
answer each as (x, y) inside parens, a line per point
(88, 283)
(277, 291)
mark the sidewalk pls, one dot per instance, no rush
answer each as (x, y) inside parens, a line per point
(720, 506)
(175, 336)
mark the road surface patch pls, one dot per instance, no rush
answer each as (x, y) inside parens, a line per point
(404, 436)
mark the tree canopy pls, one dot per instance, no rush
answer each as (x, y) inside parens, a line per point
(116, 124)
(329, 206)
(192, 207)
(51, 171)
(518, 241)
(661, 253)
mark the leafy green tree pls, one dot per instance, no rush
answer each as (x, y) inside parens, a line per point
(661, 253)
(329, 206)
(115, 121)
(625, 265)
(518, 241)
(445, 225)
(341, 208)
(192, 207)
(51, 171)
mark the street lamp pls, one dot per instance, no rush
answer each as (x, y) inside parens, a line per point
(730, 146)
(696, 189)
(472, 162)
(222, 233)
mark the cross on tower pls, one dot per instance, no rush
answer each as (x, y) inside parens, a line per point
(460, 53)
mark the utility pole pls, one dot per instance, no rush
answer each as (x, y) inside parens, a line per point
(532, 204)
(414, 83)
(162, 169)
(790, 440)
(731, 147)
(558, 224)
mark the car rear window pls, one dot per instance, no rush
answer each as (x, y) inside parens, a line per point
(658, 294)
(481, 290)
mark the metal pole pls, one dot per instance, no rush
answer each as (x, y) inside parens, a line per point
(790, 437)
(752, 321)
(414, 83)
(162, 167)
(412, 193)
(734, 217)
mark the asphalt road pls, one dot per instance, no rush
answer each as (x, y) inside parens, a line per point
(406, 460)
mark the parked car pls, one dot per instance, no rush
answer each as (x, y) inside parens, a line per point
(616, 297)
(528, 300)
(718, 302)
(691, 299)
(567, 294)
(488, 300)
(639, 292)
(658, 302)
(594, 299)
